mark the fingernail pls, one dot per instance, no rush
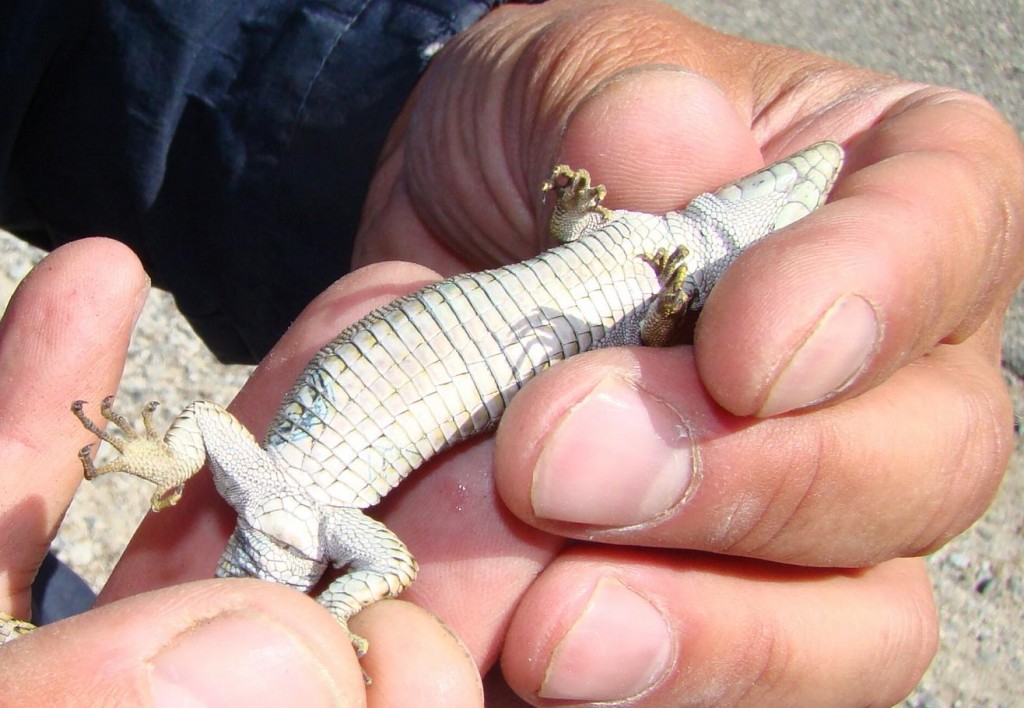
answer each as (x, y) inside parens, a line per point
(618, 647)
(618, 457)
(830, 358)
(236, 659)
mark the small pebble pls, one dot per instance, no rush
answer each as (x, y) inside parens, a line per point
(958, 560)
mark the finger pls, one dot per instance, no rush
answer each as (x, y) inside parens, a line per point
(476, 560)
(705, 630)
(63, 337)
(626, 446)
(415, 659)
(921, 244)
(233, 642)
(184, 542)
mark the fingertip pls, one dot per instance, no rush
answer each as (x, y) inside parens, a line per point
(837, 349)
(414, 659)
(64, 336)
(270, 664)
(75, 311)
(606, 624)
(587, 632)
(234, 642)
(646, 133)
(606, 443)
(532, 419)
(792, 325)
(91, 272)
(639, 659)
(106, 263)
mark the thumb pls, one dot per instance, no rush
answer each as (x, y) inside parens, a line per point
(203, 643)
(608, 88)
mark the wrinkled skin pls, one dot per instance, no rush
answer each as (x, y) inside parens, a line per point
(843, 398)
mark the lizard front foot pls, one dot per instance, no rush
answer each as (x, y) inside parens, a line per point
(578, 203)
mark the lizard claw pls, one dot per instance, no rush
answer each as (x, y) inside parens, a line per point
(661, 320)
(144, 454)
(578, 207)
(360, 644)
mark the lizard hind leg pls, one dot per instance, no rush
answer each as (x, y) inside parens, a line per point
(378, 566)
(145, 455)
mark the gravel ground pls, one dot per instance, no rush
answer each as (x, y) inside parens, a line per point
(977, 577)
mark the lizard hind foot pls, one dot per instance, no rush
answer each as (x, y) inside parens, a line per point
(578, 203)
(359, 644)
(145, 455)
(666, 313)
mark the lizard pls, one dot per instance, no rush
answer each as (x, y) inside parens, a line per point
(440, 365)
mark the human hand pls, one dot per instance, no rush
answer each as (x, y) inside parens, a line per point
(898, 426)
(918, 240)
(65, 335)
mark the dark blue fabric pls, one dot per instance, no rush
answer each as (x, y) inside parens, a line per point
(58, 592)
(229, 143)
